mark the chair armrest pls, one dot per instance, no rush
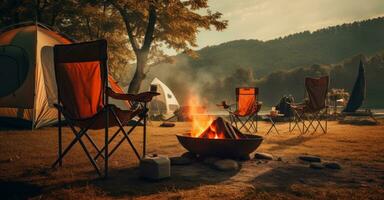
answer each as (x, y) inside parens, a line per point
(141, 97)
(224, 105)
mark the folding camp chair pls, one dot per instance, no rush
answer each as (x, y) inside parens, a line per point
(82, 87)
(314, 108)
(247, 107)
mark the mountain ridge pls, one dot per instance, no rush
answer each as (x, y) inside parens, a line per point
(258, 59)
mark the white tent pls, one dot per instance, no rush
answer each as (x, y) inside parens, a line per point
(166, 103)
(27, 79)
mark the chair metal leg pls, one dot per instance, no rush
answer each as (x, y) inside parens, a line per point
(60, 138)
(92, 142)
(106, 143)
(93, 162)
(65, 151)
(100, 153)
(74, 141)
(257, 125)
(125, 135)
(297, 120)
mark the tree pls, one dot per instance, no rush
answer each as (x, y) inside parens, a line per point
(153, 23)
(77, 19)
(138, 26)
(86, 22)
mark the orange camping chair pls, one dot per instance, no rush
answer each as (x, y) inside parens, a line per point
(82, 86)
(314, 108)
(247, 107)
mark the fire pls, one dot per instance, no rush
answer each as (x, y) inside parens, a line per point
(200, 120)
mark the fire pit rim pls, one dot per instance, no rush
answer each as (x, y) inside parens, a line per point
(253, 137)
(220, 147)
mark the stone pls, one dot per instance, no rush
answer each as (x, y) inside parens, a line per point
(280, 159)
(226, 165)
(332, 165)
(179, 160)
(210, 160)
(189, 155)
(316, 165)
(310, 158)
(263, 156)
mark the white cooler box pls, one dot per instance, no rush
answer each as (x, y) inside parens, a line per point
(155, 167)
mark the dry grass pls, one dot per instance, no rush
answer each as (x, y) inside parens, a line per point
(26, 157)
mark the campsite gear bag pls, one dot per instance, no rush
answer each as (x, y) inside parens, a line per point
(284, 106)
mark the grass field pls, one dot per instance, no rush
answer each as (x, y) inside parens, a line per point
(26, 156)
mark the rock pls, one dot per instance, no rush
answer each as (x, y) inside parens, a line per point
(178, 160)
(189, 155)
(210, 160)
(226, 165)
(310, 158)
(279, 159)
(316, 165)
(332, 165)
(264, 156)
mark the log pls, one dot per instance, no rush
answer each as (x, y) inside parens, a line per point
(222, 127)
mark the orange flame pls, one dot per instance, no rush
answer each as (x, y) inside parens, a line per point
(200, 120)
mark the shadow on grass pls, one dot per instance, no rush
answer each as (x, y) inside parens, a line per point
(126, 182)
(294, 141)
(18, 190)
(293, 179)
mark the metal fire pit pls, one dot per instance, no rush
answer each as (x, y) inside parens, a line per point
(221, 147)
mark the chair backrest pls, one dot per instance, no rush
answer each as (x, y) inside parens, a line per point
(246, 98)
(81, 77)
(317, 89)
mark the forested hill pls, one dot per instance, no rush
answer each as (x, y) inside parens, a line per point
(324, 46)
(279, 66)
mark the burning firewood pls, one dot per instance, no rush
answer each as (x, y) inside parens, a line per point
(220, 129)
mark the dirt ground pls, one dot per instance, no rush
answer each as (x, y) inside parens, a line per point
(26, 157)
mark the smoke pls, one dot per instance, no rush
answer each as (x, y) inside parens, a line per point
(213, 87)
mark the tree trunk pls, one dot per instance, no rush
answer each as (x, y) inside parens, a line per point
(139, 76)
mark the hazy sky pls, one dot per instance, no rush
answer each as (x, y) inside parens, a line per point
(268, 19)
